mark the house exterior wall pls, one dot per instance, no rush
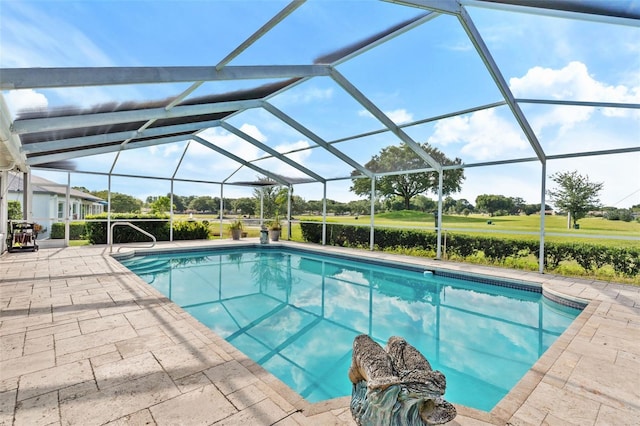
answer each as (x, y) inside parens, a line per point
(49, 208)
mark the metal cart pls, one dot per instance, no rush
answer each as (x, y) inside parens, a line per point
(22, 236)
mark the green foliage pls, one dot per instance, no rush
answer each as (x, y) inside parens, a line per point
(161, 205)
(482, 249)
(120, 203)
(97, 231)
(575, 194)
(205, 203)
(191, 230)
(245, 206)
(236, 225)
(625, 215)
(402, 157)
(493, 203)
(15, 210)
(76, 230)
(155, 224)
(267, 196)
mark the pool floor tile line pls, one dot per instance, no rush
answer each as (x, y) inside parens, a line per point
(84, 341)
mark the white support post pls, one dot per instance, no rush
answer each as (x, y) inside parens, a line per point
(543, 210)
(171, 213)
(27, 197)
(439, 225)
(4, 209)
(290, 193)
(261, 207)
(68, 211)
(324, 214)
(109, 242)
(221, 207)
(373, 213)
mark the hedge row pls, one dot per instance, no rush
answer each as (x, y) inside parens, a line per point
(157, 225)
(625, 261)
(76, 230)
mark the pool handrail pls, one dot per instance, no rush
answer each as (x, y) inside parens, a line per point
(137, 228)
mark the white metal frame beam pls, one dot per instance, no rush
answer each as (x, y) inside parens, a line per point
(574, 9)
(314, 138)
(48, 158)
(42, 78)
(87, 141)
(99, 119)
(239, 160)
(288, 9)
(382, 117)
(498, 78)
(9, 142)
(266, 148)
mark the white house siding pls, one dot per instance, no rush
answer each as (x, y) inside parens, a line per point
(47, 196)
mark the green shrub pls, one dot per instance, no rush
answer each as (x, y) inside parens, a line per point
(190, 230)
(15, 210)
(572, 258)
(76, 231)
(155, 224)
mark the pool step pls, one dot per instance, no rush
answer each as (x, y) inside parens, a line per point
(147, 266)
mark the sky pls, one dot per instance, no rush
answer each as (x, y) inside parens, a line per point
(429, 71)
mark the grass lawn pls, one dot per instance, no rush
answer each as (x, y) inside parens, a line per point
(592, 230)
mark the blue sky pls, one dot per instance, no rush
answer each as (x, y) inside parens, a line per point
(428, 71)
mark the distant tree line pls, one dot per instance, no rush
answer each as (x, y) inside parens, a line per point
(575, 195)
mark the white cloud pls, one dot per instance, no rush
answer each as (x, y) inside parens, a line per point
(32, 38)
(254, 132)
(171, 149)
(25, 99)
(573, 82)
(304, 94)
(398, 116)
(484, 135)
(231, 143)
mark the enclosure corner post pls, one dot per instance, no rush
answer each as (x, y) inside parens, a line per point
(373, 213)
(543, 212)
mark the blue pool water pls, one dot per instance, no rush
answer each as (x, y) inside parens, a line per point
(297, 313)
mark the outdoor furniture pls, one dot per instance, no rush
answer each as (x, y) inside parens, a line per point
(22, 236)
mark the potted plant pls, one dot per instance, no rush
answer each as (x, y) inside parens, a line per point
(236, 229)
(280, 200)
(274, 229)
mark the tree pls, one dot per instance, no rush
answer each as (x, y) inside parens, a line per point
(245, 205)
(178, 202)
(424, 203)
(402, 157)
(82, 189)
(449, 205)
(493, 203)
(203, 204)
(15, 210)
(517, 205)
(266, 195)
(462, 206)
(121, 203)
(358, 207)
(575, 194)
(161, 205)
(314, 206)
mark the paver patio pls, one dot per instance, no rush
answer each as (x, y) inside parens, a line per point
(86, 342)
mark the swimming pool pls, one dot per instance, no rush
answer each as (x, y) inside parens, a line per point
(296, 313)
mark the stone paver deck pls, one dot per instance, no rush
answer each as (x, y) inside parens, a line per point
(83, 341)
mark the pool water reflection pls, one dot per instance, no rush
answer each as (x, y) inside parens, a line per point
(297, 313)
